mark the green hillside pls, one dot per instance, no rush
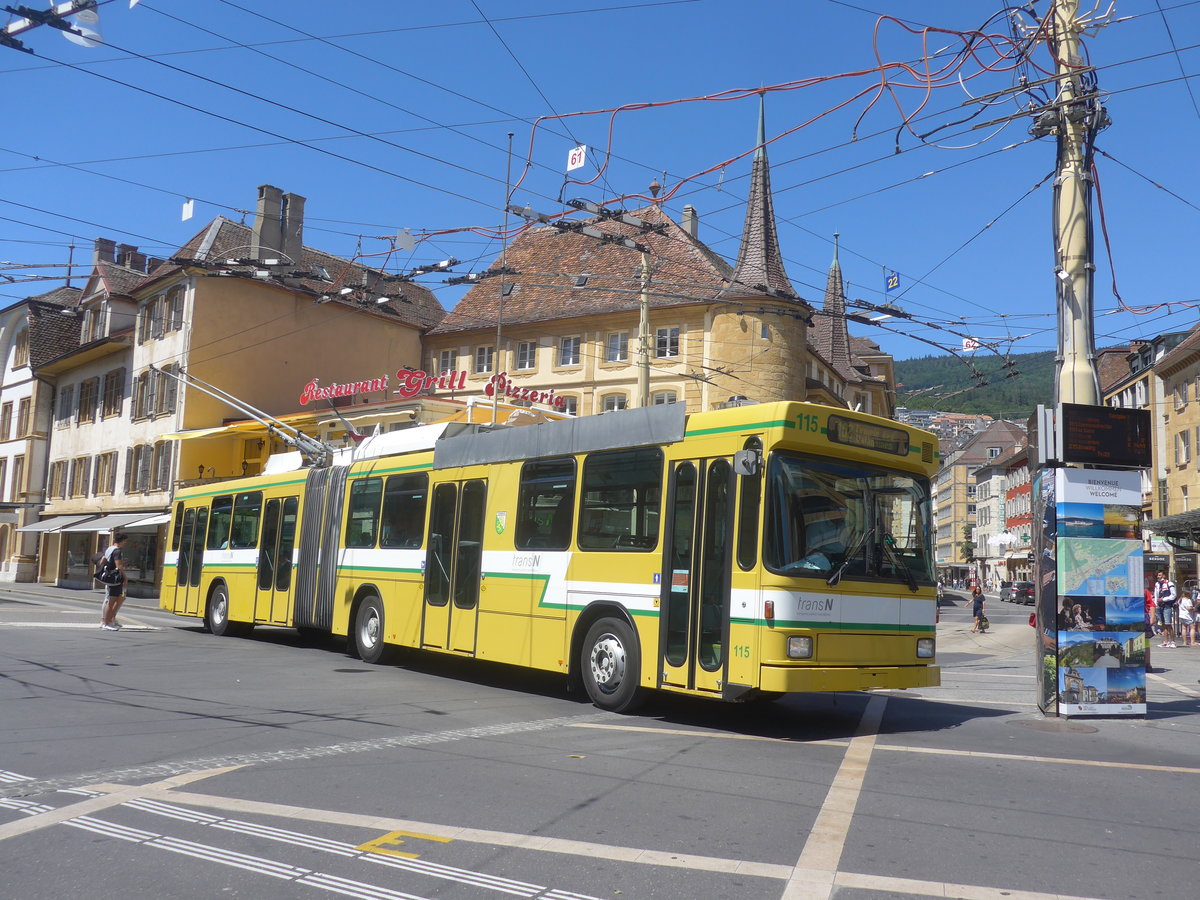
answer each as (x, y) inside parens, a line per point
(946, 383)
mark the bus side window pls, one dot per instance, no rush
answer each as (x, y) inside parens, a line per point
(247, 511)
(621, 500)
(219, 522)
(749, 505)
(362, 519)
(403, 520)
(546, 505)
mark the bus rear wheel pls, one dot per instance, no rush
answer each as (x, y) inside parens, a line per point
(368, 630)
(610, 664)
(216, 614)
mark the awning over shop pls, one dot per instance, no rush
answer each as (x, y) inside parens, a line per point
(1182, 530)
(106, 523)
(150, 524)
(57, 523)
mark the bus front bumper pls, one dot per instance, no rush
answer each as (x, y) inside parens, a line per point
(801, 679)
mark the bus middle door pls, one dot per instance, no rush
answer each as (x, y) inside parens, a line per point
(273, 599)
(454, 565)
(190, 562)
(695, 579)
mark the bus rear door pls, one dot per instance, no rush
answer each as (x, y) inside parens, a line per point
(190, 563)
(454, 565)
(695, 579)
(273, 600)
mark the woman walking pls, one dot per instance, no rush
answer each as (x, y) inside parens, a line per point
(977, 602)
(114, 594)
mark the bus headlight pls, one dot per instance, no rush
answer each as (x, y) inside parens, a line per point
(925, 648)
(800, 647)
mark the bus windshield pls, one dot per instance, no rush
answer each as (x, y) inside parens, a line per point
(831, 519)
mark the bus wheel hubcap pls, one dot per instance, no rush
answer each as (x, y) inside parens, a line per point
(370, 631)
(608, 663)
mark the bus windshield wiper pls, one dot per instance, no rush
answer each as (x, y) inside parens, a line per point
(836, 575)
(889, 548)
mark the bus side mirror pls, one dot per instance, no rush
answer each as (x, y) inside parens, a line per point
(747, 462)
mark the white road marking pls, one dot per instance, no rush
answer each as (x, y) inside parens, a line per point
(80, 625)
(822, 853)
(13, 777)
(1014, 757)
(1182, 688)
(718, 735)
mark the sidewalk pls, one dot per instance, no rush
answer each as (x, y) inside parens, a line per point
(23, 590)
(1179, 667)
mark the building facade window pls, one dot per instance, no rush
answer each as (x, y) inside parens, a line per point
(18, 479)
(483, 360)
(114, 392)
(527, 355)
(666, 343)
(568, 351)
(81, 470)
(66, 405)
(616, 347)
(161, 466)
(23, 408)
(6, 412)
(661, 398)
(1182, 447)
(613, 402)
(88, 396)
(56, 481)
(447, 361)
(106, 473)
(571, 406)
(21, 350)
(137, 469)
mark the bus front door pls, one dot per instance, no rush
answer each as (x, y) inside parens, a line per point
(695, 580)
(454, 566)
(273, 600)
(190, 563)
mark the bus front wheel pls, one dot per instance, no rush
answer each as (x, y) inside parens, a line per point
(611, 665)
(368, 630)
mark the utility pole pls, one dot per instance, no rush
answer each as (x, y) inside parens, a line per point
(644, 334)
(1079, 116)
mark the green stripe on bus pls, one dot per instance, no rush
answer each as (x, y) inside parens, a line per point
(834, 626)
(749, 426)
(189, 495)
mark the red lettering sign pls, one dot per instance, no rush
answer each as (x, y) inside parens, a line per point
(314, 391)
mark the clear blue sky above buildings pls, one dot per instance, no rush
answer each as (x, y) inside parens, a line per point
(411, 105)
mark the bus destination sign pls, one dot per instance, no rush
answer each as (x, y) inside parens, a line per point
(1104, 436)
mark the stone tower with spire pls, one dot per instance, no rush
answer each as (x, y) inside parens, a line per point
(758, 336)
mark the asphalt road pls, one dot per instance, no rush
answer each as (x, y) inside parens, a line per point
(160, 761)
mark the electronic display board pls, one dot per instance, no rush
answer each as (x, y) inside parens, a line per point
(1104, 436)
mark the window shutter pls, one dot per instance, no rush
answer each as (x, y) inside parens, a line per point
(172, 389)
(129, 470)
(144, 469)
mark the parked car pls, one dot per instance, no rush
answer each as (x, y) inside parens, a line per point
(1022, 592)
(1006, 590)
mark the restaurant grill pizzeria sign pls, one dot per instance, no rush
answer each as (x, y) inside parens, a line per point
(411, 383)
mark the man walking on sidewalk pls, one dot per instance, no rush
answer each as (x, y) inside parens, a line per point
(114, 594)
(1164, 591)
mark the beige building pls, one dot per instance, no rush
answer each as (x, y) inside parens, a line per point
(249, 310)
(31, 332)
(590, 324)
(955, 493)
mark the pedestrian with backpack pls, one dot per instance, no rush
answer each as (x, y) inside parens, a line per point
(114, 587)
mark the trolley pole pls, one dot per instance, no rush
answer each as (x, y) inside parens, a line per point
(1079, 117)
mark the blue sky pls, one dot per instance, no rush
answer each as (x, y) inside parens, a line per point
(411, 105)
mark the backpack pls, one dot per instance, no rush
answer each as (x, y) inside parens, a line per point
(106, 571)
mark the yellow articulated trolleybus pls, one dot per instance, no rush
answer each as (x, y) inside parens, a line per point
(741, 553)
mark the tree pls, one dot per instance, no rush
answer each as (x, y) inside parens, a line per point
(967, 548)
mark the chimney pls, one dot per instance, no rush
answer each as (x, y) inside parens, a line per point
(267, 239)
(691, 221)
(106, 251)
(293, 228)
(128, 256)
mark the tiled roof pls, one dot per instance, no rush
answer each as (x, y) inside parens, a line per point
(829, 334)
(1181, 353)
(760, 264)
(550, 264)
(412, 303)
(118, 279)
(1112, 366)
(51, 334)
